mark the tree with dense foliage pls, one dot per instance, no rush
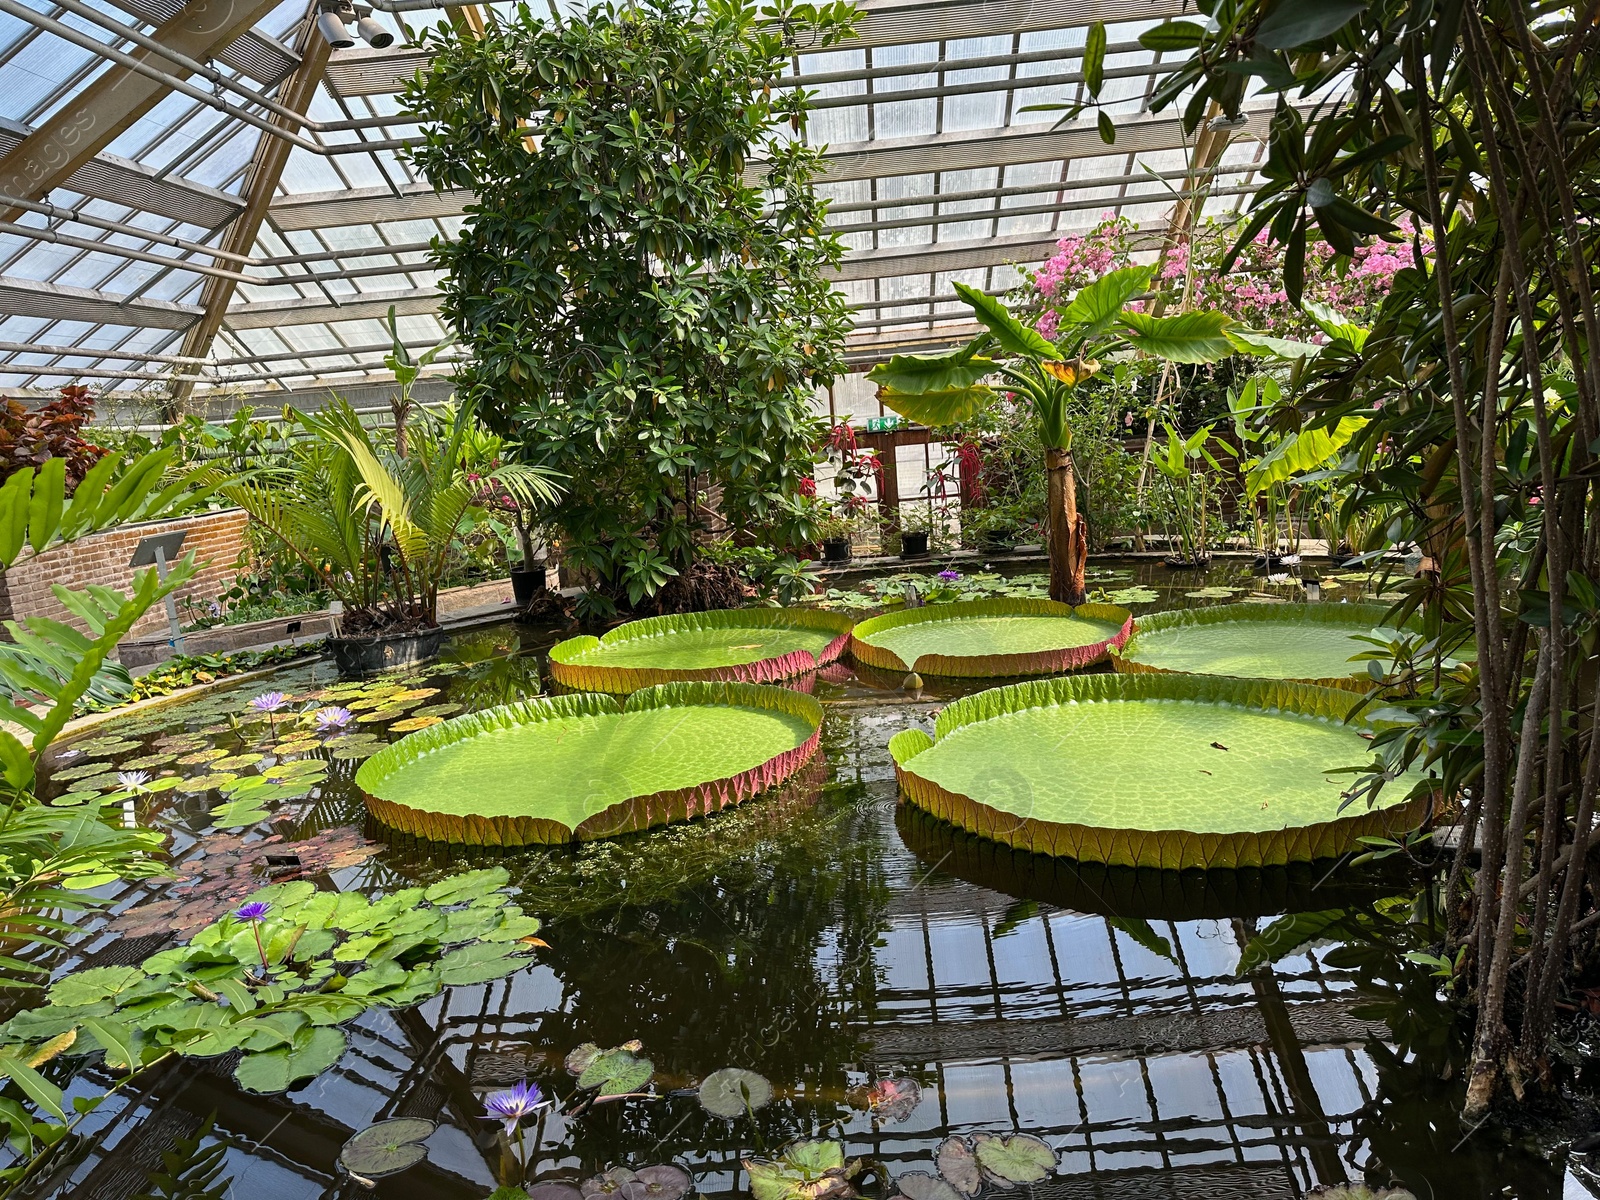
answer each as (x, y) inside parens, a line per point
(1468, 123)
(643, 277)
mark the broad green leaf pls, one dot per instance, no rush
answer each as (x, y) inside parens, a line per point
(49, 498)
(1140, 931)
(1336, 325)
(1295, 23)
(1094, 57)
(1248, 341)
(1011, 334)
(1173, 35)
(733, 1092)
(94, 984)
(1300, 452)
(39, 1089)
(117, 1040)
(278, 1070)
(1191, 337)
(1096, 306)
(934, 409)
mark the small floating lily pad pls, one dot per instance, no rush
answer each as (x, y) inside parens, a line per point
(86, 769)
(437, 710)
(208, 782)
(357, 751)
(387, 1147)
(1013, 1159)
(733, 1092)
(959, 1166)
(977, 638)
(920, 1185)
(752, 645)
(412, 724)
(194, 758)
(234, 762)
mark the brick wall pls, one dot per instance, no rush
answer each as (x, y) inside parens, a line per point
(102, 558)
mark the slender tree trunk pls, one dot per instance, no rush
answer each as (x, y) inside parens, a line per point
(1068, 531)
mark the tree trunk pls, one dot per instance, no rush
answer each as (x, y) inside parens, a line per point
(1068, 532)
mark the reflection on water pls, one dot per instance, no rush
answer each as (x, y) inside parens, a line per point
(827, 937)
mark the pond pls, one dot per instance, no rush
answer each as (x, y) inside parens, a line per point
(825, 937)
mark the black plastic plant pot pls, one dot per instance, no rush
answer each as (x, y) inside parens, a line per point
(1178, 562)
(359, 657)
(527, 583)
(836, 550)
(914, 544)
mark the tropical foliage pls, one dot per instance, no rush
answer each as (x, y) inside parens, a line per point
(378, 526)
(649, 321)
(1100, 321)
(1477, 396)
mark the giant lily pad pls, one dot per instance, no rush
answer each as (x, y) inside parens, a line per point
(574, 768)
(1005, 636)
(750, 645)
(1163, 771)
(1302, 643)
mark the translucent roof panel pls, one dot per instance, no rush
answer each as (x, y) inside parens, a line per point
(180, 241)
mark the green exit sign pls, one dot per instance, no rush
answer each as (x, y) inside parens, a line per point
(883, 424)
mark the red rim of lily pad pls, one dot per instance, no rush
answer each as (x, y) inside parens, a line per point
(1048, 661)
(579, 662)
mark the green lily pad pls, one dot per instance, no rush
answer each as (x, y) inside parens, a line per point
(804, 1171)
(83, 770)
(235, 762)
(479, 962)
(749, 644)
(469, 885)
(920, 1185)
(1135, 595)
(990, 637)
(210, 754)
(387, 1147)
(94, 984)
(216, 780)
(733, 1092)
(615, 1072)
(1171, 771)
(238, 814)
(604, 767)
(1012, 1159)
(437, 710)
(106, 745)
(147, 761)
(278, 1070)
(357, 752)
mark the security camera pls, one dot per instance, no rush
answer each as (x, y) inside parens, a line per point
(335, 16)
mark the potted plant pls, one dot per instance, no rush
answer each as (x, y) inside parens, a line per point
(378, 528)
(835, 531)
(915, 526)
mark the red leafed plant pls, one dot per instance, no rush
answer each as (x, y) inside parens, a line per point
(31, 437)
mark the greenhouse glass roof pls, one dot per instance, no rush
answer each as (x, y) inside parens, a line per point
(170, 222)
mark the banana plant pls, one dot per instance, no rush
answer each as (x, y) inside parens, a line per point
(949, 388)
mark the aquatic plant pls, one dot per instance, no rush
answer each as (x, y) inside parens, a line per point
(610, 1074)
(1240, 779)
(386, 1148)
(696, 747)
(991, 638)
(734, 1092)
(332, 718)
(513, 1106)
(805, 1170)
(750, 645)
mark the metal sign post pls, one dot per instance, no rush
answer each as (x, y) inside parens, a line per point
(158, 551)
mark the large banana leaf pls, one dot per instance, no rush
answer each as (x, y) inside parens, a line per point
(1190, 337)
(915, 374)
(1012, 335)
(1098, 304)
(1305, 450)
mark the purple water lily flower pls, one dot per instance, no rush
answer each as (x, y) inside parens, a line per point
(511, 1106)
(253, 912)
(949, 576)
(332, 718)
(269, 703)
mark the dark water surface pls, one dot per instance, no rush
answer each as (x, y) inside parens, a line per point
(826, 937)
